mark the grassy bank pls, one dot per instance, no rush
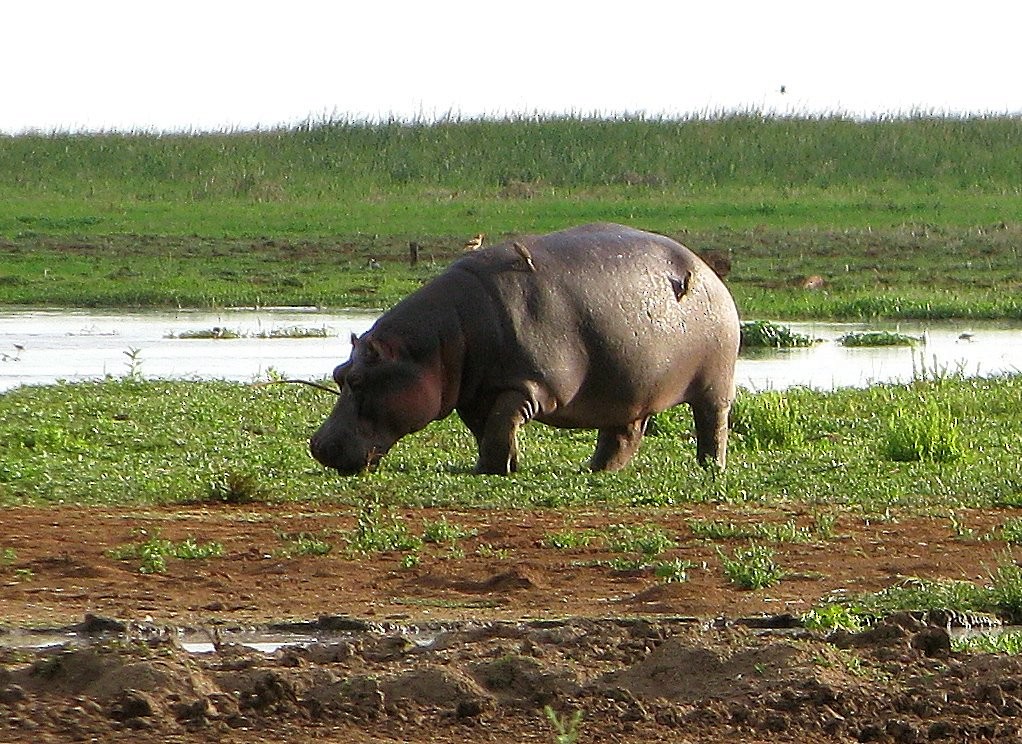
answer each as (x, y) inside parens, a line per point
(903, 218)
(933, 446)
(904, 273)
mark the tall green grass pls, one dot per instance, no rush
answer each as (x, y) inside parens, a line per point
(524, 155)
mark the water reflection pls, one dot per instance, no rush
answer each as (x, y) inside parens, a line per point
(86, 345)
(41, 347)
(970, 349)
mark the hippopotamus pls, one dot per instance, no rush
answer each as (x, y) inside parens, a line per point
(594, 327)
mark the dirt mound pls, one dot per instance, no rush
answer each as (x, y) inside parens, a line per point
(633, 680)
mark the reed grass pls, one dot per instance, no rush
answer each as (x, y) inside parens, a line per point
(523, 155)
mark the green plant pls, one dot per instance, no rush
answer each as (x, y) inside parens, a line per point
(647, 539)
(566, 730)
(752, 567)
(1007, 642)
(919, 595)
(767, 420)
(672, 571)
(929, 433)
(378, 531)
(134, 363)
(569, 539)
(1006, 589)
(831, 616)
(233, 487)
(1011, 530)
(189, 549)
(441, 531)
(719, 530)
(152, 553)
(7, 556)
(764, 334)
(305, 543)
(876, 338)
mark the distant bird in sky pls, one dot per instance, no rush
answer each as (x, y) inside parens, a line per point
(523, 252)
(475, 243)
(784, 89)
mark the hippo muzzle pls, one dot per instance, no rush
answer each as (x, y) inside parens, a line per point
(339, 444)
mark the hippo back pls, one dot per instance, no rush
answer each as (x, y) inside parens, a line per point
(612, 324)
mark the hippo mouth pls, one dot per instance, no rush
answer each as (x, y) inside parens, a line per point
(352, 466)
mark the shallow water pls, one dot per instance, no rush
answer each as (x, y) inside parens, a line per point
(87, 345)
(44, 346)
(970, 349)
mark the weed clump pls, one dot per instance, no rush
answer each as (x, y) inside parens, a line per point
(876, 338)
(767, 420)
(929, 435)
(753, 567)
(763, 334)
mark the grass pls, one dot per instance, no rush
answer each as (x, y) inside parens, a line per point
(1001, 595)
(152, 553)
(752, 567)
(904, 218)
(923, 432)
(876, 338)
(136, 442)
(764, 334)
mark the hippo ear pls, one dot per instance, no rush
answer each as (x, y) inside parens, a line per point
(377, 349)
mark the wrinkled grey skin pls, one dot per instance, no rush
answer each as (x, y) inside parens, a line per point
(612, 326)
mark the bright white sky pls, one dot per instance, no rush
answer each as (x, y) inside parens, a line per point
(216, 64)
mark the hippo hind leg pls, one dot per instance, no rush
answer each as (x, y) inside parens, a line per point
(615, 445)
(711, 431)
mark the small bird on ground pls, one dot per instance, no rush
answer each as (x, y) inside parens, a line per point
(475, 243)
(523, 252)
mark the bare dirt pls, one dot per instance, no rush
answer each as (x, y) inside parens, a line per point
(473, 643)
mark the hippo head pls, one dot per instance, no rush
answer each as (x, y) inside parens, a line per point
(384, 394)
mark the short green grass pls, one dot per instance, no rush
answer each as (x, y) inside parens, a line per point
(152, 553)
(132, 441)
(751, 567)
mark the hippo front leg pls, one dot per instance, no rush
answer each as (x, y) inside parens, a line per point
(616, 445)
(498, 440)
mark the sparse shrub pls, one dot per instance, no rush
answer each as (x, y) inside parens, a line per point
(930, 434)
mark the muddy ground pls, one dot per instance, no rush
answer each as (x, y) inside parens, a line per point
(474, 642)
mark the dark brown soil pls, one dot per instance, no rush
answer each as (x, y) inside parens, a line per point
(472, 644)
